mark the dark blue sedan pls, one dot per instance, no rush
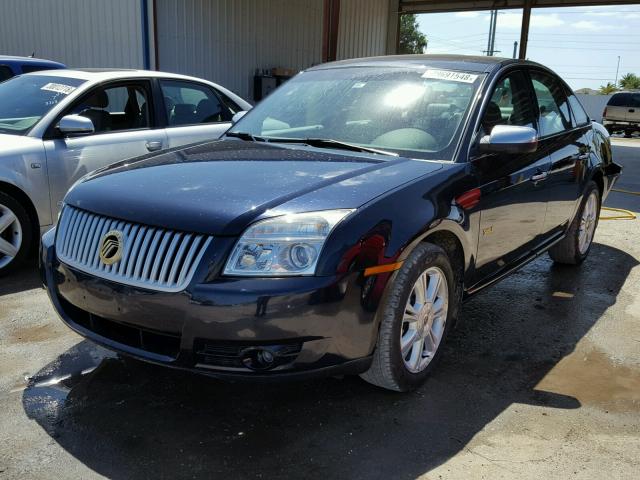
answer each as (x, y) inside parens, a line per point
(338, 226)
(12, 66)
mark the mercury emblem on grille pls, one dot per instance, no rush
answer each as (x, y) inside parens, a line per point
(111, 246)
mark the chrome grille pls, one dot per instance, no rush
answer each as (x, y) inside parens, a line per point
(153, 258)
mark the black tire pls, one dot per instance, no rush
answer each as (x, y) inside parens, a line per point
(27, 232)
(567, 251)
(628, 134)
(388, 369)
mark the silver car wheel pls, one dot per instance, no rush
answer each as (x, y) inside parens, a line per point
(424, 319)
(10, 235)
(588, 223)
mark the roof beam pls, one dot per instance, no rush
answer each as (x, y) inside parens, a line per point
(436, 6)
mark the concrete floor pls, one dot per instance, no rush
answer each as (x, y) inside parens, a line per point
(541, 379)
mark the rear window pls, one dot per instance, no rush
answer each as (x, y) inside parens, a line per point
(625, 100)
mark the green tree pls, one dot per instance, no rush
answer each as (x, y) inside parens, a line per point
(608, 89)
(412, 40)
(630, 81)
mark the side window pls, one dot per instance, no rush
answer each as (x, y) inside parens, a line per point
(114, 109)
(5, 73)
(230, 104)
(553, 106)
(510, 104)
(580, 117)
(188, 103)
(33, 68)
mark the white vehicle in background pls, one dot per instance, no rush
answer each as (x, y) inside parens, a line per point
(622, 113)
(56, 126)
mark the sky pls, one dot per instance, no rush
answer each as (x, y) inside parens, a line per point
(581, 44)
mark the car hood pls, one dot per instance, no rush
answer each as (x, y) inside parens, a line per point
(17, 144)
(220, 187)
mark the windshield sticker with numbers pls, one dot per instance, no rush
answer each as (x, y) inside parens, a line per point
(450, 75)
(59, 88)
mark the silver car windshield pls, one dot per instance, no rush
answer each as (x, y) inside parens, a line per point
(25, 99)
(415, 112)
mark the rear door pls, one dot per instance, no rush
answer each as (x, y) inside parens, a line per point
(633, 110)
(513, 199)
(123, 116)
(565, 140)
(194, 112)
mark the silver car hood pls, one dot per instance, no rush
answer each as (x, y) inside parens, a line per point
(11, 145)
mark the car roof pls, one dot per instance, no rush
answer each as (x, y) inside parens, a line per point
(480, 64)
(6, 59)
(103, 74)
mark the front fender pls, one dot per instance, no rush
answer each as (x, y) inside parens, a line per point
(23, 166)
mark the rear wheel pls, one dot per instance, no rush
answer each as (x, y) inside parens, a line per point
(15, 233)
(416, 318)
(575, 247)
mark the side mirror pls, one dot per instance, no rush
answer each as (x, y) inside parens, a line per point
(510, 139)
(75, 125)
(238, 116)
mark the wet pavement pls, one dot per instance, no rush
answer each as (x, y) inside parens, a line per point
(540, 379)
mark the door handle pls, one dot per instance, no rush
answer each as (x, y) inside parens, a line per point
(583, 156)
(538, 177)
(632, 110)
(154, 146)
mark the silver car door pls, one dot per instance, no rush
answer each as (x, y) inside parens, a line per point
(194, 112)
(123, 118)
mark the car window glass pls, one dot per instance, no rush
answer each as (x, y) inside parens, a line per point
(187, 103)
(25, 99)
(230, 104)
(5, 73)
(553, 106)
(113, 109)
(579, 115)
(33, 68)
(510, 104)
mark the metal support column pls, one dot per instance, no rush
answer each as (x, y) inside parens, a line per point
(524, 32)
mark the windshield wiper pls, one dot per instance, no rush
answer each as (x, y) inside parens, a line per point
(331, 143)
(245, 136)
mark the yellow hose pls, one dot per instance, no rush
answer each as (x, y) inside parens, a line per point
(625, 191)
(628, 215)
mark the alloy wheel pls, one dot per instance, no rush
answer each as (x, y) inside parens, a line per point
(588, 223)
(10, 235)
(424, 319)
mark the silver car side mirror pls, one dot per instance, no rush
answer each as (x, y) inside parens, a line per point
(75, 125)
(238, 116)
(510, 139)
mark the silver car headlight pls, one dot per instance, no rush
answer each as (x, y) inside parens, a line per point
(283, 245)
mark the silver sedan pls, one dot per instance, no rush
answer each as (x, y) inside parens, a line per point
(56, 126)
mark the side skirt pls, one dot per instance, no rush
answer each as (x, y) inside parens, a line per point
(469, 292)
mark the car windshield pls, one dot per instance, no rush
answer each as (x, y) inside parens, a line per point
(25, 99)
(414, 112)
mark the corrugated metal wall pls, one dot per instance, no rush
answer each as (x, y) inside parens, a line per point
(79, 33)
(226, 40)
(362, 29)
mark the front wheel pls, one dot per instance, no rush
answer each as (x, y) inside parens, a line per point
(15, 233)
(575, 246)
(416, 318)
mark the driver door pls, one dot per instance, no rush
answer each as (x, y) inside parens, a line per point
(513, 199)
(123, 118)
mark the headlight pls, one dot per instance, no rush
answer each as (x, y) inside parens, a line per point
(284, 245)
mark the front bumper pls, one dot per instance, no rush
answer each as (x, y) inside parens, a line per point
(309, 325)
